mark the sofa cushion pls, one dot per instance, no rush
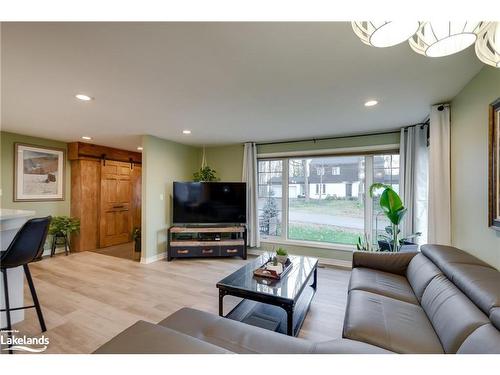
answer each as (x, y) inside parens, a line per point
(242, 338)
(484, 340)
(383, 261)
(232, 335)
(392, 324)
(420, 272)
(148, 338)
(443, 256)
(453, 316)
(384, 283)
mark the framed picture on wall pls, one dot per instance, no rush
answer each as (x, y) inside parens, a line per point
(494, 166)
(38, 173)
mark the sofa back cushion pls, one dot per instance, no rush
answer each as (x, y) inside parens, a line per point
(453, 315)
(476, 279)
(420, 272)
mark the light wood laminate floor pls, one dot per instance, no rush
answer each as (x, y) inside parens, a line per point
(87, 298)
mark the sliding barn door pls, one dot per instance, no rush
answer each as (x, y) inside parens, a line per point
(116, 197)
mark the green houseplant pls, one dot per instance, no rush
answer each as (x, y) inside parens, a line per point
(281, 255)
(394, 210)
(205, 174)
(61, 228)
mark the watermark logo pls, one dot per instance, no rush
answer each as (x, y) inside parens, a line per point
(13, 341)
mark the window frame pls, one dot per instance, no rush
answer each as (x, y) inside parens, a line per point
(368, 156)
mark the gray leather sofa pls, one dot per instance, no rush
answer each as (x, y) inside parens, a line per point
(441, 300)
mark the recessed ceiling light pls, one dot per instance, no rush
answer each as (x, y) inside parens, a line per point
(83, 97)
(86, 137)
(186, 131)
(371, 103)
(139, 148)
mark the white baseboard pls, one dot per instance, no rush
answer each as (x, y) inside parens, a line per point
(154, 258)
(59, 250)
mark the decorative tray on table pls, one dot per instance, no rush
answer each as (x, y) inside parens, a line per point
(270, 271)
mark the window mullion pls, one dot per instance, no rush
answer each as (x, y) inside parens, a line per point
(368, 203)
(284, 202)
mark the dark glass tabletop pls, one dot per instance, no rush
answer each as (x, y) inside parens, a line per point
(288, 287)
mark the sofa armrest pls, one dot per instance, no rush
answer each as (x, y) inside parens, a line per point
(382, 261)
(148, 338)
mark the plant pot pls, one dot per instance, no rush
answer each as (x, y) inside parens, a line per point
(282, 258)
(137, 245)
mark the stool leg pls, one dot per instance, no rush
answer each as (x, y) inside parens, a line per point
(35, 298)
(53, 249)
(7, 303)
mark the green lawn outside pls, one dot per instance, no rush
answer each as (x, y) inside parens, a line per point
(322, 233)
(340, 207)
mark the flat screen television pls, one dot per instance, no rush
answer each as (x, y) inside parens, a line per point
(209, 203)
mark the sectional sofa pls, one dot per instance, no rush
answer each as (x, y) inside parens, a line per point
(439, 300)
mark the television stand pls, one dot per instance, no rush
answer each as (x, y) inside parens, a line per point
(206, 241)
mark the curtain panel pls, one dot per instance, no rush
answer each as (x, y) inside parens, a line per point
(250, 177)
(439, 176)
(414, 171)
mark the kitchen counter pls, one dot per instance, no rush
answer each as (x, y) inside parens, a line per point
(10, 222)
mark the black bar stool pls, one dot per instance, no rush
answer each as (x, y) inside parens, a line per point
(26, 247)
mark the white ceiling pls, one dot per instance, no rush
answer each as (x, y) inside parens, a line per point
(227, 82)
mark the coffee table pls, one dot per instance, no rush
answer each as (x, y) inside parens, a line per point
(279, 305)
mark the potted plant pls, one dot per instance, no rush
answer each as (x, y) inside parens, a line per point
(364, 244)
(205, 174)
(394, 210)
(136, 237)
(61, 228)
(281, 255)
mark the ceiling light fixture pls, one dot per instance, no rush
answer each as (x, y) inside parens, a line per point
(371, 103)
(83, 97)
(437, 39)
(139, 148)
(186, 131)
(488, 45)
(86, 137)
(384, 33)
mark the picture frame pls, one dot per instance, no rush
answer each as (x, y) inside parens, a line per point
(39, 173)
(494, 166)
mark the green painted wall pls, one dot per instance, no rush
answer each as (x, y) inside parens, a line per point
(469, 167)
(7, 141)
(228, 161)
(163, 162)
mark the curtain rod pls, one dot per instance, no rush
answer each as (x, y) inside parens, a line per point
(340, 137)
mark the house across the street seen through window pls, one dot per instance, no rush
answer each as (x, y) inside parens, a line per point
(323, 199)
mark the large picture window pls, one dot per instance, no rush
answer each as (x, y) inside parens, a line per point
(323, 199)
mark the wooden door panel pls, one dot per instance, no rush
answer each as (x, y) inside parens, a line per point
(116, 202)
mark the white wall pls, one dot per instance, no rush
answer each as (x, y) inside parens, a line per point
(469, 167)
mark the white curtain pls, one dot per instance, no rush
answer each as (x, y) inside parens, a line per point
(250, 177)
(439, 176)
(414, 170)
